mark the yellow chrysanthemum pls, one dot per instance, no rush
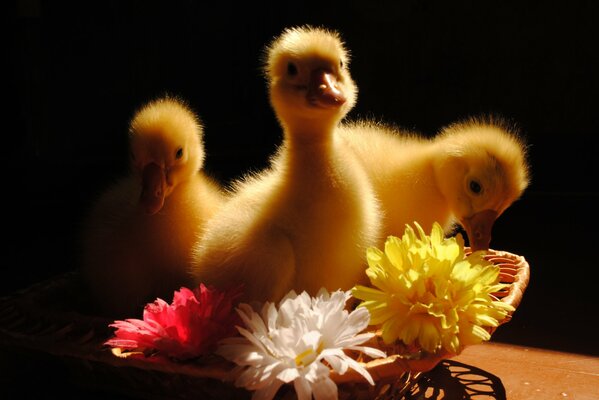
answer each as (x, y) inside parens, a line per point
(426, 291)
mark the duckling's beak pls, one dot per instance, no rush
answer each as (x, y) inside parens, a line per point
(478, 228)
(323, 90)
(152, 188)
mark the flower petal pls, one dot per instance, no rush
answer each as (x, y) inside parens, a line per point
(325, 389)
(303, 389)
(288, 375)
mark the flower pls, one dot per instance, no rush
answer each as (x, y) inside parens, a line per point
(189, 327)
(427, 292)
(299, 342)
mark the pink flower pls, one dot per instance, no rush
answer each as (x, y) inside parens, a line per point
(191, 326)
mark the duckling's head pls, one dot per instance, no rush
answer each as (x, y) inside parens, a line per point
(165, 139)
(308, 77)
(482, 171)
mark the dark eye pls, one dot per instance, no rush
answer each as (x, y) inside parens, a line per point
(179, 153)
(340, 63)
(291, 69)
(475, 187)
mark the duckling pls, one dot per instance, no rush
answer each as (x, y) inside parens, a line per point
(139, 234)
(469, 174)
(306, 221)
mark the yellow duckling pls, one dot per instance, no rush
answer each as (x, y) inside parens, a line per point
(305, 222)
(140, 232)
(469, 174)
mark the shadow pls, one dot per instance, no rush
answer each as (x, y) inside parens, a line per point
(452, 380)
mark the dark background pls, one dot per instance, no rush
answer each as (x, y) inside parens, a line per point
(77, 71)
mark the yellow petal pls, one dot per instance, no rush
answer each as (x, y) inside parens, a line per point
(410, 331)
(451, 343)
(368, 293)
(391, 330)
(429, 337)
(486, 320)
(481, 332)
(393, 251)
(437, 234)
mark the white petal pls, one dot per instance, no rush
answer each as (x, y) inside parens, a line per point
(354, 340)
(325, 389)
(253, 357)
(272, 369)
(283, 341)
(359, 319)
(316, 371)
(369, 351)
(335, 351)
(252, 339)
(245, 311)
(303, 389)
(338, 364)
(251, 319)
(311, 340)
(272, 315)
(334, 328)
(290, 295)
(303, 302)
(287, 312)
(288, 375)
(323, 293)
(356, 366)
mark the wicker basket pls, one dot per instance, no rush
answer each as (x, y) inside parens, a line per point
(43, 320)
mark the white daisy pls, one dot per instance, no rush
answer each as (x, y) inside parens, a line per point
(299, 342)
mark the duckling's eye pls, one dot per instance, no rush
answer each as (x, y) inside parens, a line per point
(475, 187)
(291, 69)
(340, 63)
(179, 153)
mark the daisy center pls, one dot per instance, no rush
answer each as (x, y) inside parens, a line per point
(307, 356)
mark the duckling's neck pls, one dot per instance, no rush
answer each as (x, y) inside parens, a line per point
(308, 153)
(309, 133)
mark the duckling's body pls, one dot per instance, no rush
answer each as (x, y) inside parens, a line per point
(306, 221)
(139, 235)
(428, 180)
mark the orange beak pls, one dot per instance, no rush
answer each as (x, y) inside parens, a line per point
(323, 91)
(152, 188)
(478, 228)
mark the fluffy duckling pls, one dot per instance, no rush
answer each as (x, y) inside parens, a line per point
(139, 234)
(305, 222)
(469, 174)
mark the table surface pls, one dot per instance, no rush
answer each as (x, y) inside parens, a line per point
(501, 371)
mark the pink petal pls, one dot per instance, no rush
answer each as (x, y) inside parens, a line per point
(188, 327)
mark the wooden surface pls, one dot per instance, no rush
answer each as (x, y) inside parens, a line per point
(500, 371)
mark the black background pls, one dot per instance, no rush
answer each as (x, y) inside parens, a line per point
(78, 71)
